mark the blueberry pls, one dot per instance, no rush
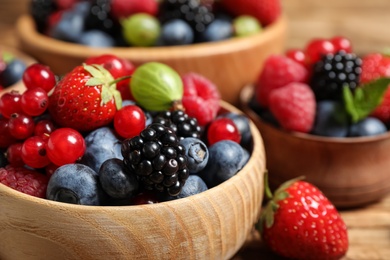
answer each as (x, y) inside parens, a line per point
(243, 126)
(367, 127)
(82, 8)
(116, 181)
(75, 184)
(13, 72)
(176, 32)
(219, 29)
(331, 119)
(226, 158)
(96, 38)
(101, 144)
(194, 185)
(197, 154)
(70, 27)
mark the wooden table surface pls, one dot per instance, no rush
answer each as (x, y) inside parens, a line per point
(366, 24)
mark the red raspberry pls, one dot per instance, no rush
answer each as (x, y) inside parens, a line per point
(24, 180)
(375, 66)
(266, 11)
(200, 98)
(278, 71)
(125, 8)
(294, 107)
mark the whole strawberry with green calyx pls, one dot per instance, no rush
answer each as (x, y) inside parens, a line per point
(85, 99)
(299, 222)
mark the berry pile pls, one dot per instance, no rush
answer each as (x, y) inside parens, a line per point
(325, 89)
(78, 139)
(108, 23)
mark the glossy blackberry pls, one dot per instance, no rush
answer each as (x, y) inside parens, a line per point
(196, 14)
(40, 10)
(182, 124)
(157, 158)
(334, 71)
(99, 17)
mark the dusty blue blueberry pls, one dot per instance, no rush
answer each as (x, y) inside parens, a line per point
(75, 184)
(219, 29)
(101, 144)
(226, 158)
(367, 127)
(116, 181)
(331, 119)
(197, 154)
(70, 27)
(176, 32)
(96, 38)
(194, 185)
(13, 72)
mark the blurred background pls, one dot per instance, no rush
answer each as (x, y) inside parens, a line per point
(365, 23)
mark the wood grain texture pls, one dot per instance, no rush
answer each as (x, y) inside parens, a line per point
(211, 225)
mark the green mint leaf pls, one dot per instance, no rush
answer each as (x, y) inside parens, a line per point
(365, 99)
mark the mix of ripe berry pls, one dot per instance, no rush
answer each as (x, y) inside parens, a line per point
(78, 139)
(108, 23)
(325, 89)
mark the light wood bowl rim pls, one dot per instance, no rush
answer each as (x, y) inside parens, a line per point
(246, 94)
(26, 30)
(258, 149)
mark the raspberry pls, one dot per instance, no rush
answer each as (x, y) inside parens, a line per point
(278, 71)
(375, 66)
(125, 8)
(200, 98)
(294, 107)
(24, 180)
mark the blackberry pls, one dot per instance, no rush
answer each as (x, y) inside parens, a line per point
(334, 71)
(157, 158)
(196, 14)
(99, 17)
(181, 124)
(40, 11)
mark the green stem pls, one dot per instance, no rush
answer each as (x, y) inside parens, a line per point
(267, 190)
(119, 80)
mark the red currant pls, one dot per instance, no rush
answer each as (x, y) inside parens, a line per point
(14, 154)
(21, 126)
(316, 48)
(34, 152)
(44, 128)
(129, 121)
(297, 55)
(341, 43)
(65, 145)
(223, 129)
(10, 103)
(146, 197)
(35, 101)
(39, 75)
(6, 139)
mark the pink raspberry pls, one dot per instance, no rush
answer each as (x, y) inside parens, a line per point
(278, 71)
(294, 107)
(201, 98)
(24, 180)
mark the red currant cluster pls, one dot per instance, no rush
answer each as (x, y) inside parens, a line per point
(28, 135)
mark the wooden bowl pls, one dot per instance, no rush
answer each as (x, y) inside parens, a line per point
(19, 86)
(230, 64)
(351, 172)
(210, 225)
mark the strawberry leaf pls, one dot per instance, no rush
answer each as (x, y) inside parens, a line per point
(365, 98)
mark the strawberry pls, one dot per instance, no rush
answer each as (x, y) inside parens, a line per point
(124, 8)
(266, 11)
(375, 66)
(299, 222)
(294, 107)
(277, 72)
(84, 99)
